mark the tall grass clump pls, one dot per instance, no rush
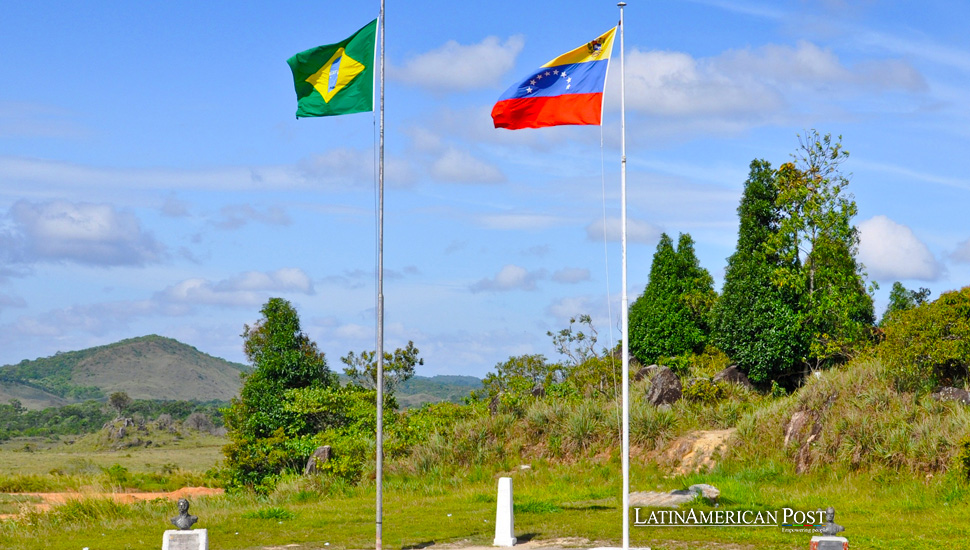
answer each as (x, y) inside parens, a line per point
(853, 419)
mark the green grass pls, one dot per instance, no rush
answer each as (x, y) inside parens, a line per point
(881, 510)
(881, 461)
(58, 466)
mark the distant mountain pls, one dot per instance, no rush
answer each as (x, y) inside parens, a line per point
(155, 367)
(422, 389)
(148, 367)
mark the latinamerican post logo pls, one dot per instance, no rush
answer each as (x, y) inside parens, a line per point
(789, 520)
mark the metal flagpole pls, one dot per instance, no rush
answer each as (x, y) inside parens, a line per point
(624, 301)
(380, 309)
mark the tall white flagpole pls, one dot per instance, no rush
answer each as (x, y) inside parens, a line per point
(624, 301)
(380, 311)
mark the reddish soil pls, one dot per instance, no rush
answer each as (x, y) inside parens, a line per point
(50, 499)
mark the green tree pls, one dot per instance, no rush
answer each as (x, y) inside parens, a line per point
(817, 245)
(671, 316)
(902, 299)
(755, 321)
(119, 401)
(264, 432)
(577, 345)
(929, 345)
(398, 367)
(520, 374)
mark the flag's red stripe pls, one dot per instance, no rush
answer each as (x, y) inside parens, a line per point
(537, 112)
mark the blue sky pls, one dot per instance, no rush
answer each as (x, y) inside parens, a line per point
(153, 178)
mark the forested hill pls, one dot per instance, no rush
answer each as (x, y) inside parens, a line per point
(148, 367)
(421, 389)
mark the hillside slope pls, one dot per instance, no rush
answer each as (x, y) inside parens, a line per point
(148, 367)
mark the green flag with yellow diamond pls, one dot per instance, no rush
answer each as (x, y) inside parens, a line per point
(336, 79)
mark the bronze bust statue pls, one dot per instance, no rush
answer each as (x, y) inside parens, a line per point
(184, 521)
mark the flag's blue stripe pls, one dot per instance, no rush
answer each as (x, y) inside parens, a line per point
(581, 78)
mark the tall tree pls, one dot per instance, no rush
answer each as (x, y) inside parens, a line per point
(670, 317)
(755, 321)
(260, 423)
(901, 299)
(817, 245)
(398, 367)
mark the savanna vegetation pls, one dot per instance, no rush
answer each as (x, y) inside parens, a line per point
(843, 411)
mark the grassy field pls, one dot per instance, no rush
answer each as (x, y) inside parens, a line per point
(553, 500)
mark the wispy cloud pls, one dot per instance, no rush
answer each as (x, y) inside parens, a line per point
(459, 67)
(237, 215)
(510, 277)
(459, 166)
(85, 233)
(754, 84)
(612, 230)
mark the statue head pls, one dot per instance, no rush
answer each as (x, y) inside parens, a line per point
(183, 506)
(830, 514)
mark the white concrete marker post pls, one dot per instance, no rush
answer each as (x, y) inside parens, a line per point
(504, 522)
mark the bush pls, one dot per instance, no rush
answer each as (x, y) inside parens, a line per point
(929, 345)
(962, 460)
(703, 390)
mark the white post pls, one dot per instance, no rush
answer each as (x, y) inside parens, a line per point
(504, 522)
(624, 301)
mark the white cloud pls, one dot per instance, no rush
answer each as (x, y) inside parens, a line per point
(235, 216)
(517, 221)
(247, 289)
(353, 168)
(755, 84)
(510, 277)
(95, 234)
(891, 251)
(291, 279)
(7, 301)
(458, 67)
(637, 231)
(962, 253)
(460, 166)
(571, 275)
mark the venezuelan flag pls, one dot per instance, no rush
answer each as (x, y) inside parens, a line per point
(566, 90)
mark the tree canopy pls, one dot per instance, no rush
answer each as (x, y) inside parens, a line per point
(261, 425)
(671, 316)
(756, 321)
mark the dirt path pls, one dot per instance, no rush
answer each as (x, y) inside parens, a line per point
(47, 500)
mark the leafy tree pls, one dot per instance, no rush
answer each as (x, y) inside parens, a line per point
(929, 345)
(398, 367)
(755, 321)
(901, 299)
(576, 345)
(670, 317)
(262, 428)
(119, 401)
(817, 245)
(520, 374)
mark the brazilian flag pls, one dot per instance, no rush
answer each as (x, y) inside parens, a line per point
(336, 79)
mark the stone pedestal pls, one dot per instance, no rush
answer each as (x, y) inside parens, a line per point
(504, 522)
(829, 543)
(195, 539)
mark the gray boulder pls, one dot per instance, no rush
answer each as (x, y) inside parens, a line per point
(665, 387)
(734, 375)
(319, 456)
(949, 393)
(644, 372)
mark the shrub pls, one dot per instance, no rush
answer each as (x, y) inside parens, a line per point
(929, 345)
(962, 460)
(703, 390)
